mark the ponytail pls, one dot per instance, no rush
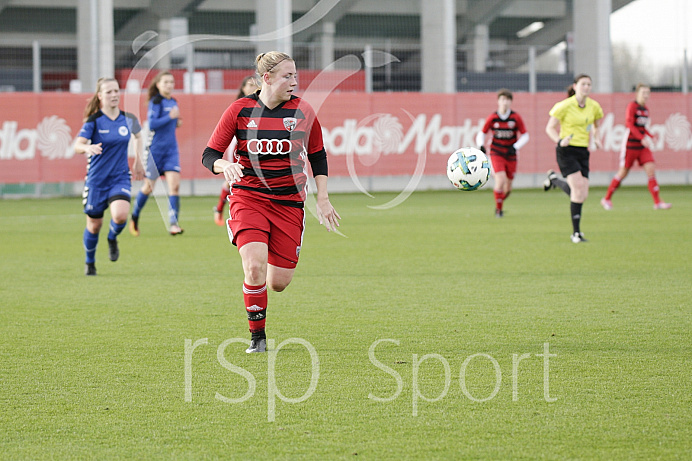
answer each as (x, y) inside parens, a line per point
(153, 89)
(570, 89)
(94, 104)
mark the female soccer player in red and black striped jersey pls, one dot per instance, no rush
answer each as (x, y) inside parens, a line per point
(637, 148)
(276, 132)
(509, 135)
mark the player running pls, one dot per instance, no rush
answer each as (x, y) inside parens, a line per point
(276, 131)
(164, 158)
(637, 148)
(104, 139)
(509, 135)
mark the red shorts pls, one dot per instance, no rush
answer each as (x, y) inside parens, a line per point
(501, 163)
(636, 155)
(260, 220)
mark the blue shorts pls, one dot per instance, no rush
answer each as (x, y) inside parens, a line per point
(97, 198)
(158, 164)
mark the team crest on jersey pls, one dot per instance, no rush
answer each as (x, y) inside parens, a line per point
(122, 131)
(290, 123)
(511, 123)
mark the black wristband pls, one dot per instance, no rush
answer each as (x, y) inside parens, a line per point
(209, 156)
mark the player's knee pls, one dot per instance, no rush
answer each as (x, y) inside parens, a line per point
(579, 195)
(120, 218)
(94, 228)
(278, 285)
(255, 271)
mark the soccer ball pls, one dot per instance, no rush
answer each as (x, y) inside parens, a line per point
(468, 169)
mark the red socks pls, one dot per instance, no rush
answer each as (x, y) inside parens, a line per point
(256, 306)
(614, 184)
(499, 199)
(653, 188)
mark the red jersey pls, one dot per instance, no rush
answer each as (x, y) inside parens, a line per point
(636, 120)
(273, 145)
(505, 132)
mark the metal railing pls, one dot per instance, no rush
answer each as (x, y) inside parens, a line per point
(52, 66)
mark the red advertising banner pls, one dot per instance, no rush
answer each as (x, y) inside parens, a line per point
(377, 134)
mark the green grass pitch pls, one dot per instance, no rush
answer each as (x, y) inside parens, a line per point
(431, 330)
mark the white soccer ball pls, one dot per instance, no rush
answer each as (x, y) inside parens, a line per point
(468, 169)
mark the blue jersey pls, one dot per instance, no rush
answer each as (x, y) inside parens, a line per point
(114, 136)
(162, 125)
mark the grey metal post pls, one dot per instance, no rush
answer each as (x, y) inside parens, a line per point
(532, 69)
(684, 71)
(368, 68)
(93, 36)
(438, 44)
(36, 58)
(388, 66)
(190, 61)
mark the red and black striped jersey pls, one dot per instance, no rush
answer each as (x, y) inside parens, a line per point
(505, 131)
(273, 145)
(636, 120)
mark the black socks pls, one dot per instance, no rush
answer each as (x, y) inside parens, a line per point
(575, 209)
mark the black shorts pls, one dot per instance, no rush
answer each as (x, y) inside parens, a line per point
(572, 159)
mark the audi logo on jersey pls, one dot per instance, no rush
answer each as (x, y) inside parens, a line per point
(269, 146)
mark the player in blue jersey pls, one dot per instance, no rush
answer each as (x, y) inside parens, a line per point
(104, 139)
(163, 159)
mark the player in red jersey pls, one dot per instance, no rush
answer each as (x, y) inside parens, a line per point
(247, 87)
(276, 132)
(509, 135)
(637, 148)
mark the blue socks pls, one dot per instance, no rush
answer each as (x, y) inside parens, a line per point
(115, 230)
(173, 208)
(140, 201)
(90, 242)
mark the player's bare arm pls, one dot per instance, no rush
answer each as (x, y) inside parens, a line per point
(553, 129)
(83, 146)
(597, 135)
(137, 167)
(326, 214)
